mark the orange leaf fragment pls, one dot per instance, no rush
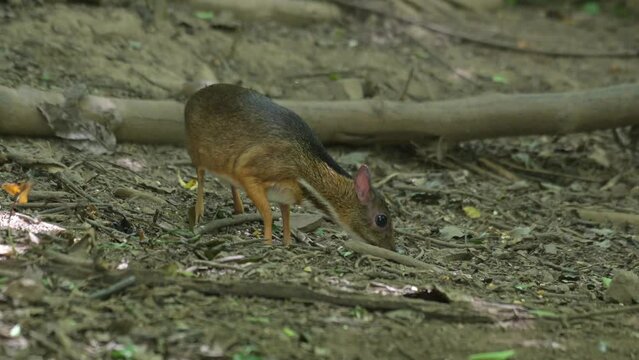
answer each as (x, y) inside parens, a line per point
(21, 190)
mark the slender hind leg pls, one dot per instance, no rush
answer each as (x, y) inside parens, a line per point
(199, 202)
(257, 193)
(237, 201)
(285, 209)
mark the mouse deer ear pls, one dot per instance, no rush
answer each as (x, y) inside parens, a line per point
(363, 184)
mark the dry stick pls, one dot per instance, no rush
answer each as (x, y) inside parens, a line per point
(287, 11)
(118, 286)
(455, 311)
(386, 179)
(57, 209)
(368, 249)
(221, 223)
(514, 166)
(596, 313)
(474, 37)
(445, 192)
(440, 242)
(503, 172)
(73, 187)
(557, 267)
(451, 312)
(407, 84)
(47, 195)
(68, 259)
(476, 169)
(47, 205)
(130, 194)
(112, 232)
(613, 181)
(603, 216)
(217, 265)
(361, 121)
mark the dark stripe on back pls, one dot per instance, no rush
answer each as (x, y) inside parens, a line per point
(286, 121)
(318, 203)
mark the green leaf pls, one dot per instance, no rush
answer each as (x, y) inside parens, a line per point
(500, 79)
(248, 353)
(591, 8)
(135, 45)
(204, 15)
(126, 352)
(359, 312)
(472, 212)
(334, 76)
(522, 287)
(185, 273)
(344, 253)
(606, 281)
(497, 355)
(289, 332)
(543, 313)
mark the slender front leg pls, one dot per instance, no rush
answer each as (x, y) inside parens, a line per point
(285, 209)
(237, 201)
(257, 193)
(199, 202)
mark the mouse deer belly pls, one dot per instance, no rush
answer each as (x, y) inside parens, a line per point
(284, 192)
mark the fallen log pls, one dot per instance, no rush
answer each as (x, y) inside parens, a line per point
(287, 11)
(355, 122)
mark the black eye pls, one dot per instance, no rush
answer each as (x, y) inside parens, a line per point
(381, 220)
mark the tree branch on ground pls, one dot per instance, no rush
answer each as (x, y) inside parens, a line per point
(355, 122)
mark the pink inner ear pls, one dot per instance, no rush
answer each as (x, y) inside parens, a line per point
(363, 184)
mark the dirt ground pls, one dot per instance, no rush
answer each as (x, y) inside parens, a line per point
(514, 223)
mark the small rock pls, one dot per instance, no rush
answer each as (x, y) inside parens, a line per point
(306, 222)
(624, 288)
(547, 277)
(353, 88)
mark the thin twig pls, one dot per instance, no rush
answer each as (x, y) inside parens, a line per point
(73, 187)
(476, 169)
(222, 223)
(375, 251)
(514, 166)
(597, 313)
(407, 84)
(117, 287)
(69, 259)
(217, 265)
(445, 192)
(500, 170)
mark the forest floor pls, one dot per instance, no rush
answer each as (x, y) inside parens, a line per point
(519, 225)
